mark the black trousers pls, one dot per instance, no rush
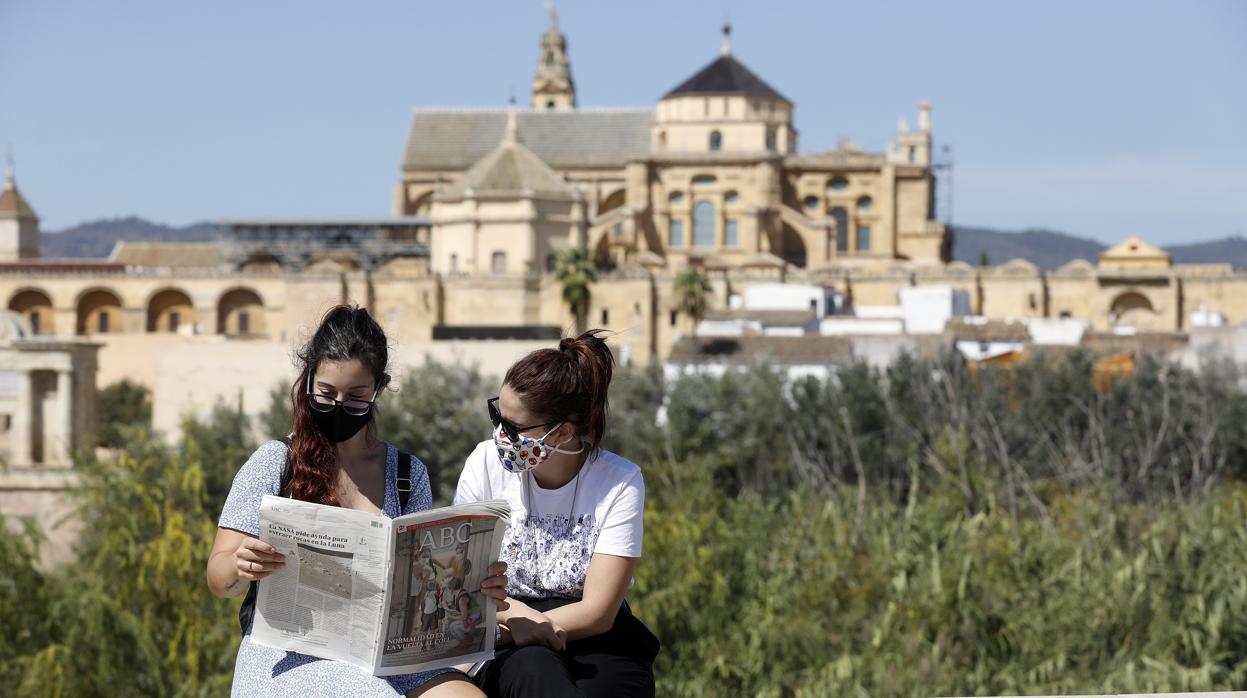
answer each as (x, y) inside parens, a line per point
(619, 663)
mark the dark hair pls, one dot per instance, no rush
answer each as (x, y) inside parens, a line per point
(346, 332)
(568, 383)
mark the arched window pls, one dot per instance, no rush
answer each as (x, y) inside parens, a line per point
(841, 218)
(716, 140)
(498, 263)
(703, 224)
(865, 203)
(810, 203)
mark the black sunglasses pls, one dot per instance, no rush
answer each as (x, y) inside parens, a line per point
(511, 429)
(325, 403)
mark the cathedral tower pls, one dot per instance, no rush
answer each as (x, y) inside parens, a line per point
(553, 89)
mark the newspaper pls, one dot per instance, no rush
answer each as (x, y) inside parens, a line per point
(390, 596)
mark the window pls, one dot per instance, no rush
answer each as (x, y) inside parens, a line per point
(173, 321)
(498, 263)
(676, 198)
(34, 321)
(731, 197)
(552, 263)
(244, 322)
(838, 184)
(863, 238)
(716, 140)
(704, 180)
(662, 140)
(606, 316)
(676, 236)
(619, 230)
(454, 264)
(810, 203)
(770, 138)
(865, 203)
(703, 224)
(842, 228)
(549, 104)
(675, 317)
(731, 233)
(103, 323)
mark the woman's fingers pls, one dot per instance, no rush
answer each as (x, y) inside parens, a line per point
(496, 569)
(260, 550)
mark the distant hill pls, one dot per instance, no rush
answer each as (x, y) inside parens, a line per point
(1046, 249)
(96, 238)
(1049, 249)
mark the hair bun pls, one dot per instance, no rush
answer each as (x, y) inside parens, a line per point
(567, 345)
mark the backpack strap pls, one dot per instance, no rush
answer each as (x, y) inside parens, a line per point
(403, 481)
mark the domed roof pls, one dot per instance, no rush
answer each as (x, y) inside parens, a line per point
(12, 204)
(726, 76)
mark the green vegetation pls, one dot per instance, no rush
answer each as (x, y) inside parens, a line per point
(576, 272)
(922, 530)
(120, 405)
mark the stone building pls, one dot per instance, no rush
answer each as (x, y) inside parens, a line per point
(711, 175)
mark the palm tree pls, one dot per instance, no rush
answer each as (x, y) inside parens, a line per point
(692, 289)
(575, 271)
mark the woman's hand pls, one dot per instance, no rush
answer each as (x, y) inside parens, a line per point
(256, 559)
(527, 626)
(495, 584)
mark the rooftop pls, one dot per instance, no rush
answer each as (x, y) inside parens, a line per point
(726, 76)
(457, 139)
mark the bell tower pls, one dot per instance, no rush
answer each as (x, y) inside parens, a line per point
(553, 89)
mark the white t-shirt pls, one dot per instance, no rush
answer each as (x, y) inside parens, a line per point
(547, 551)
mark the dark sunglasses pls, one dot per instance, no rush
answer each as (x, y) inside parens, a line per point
(511, 429)
(325, 403)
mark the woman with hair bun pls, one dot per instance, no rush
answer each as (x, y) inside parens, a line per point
(333, 457)
(575, 533)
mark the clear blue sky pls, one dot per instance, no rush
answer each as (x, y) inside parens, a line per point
(1099, 118)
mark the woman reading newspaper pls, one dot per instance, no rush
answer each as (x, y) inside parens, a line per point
(334, 458)
(574, 535)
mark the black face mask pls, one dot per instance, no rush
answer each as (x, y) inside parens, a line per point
(337, 425)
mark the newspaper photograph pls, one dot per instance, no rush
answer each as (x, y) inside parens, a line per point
(437, 608)
(391, 596)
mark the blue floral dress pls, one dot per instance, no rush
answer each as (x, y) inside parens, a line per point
(267, 671)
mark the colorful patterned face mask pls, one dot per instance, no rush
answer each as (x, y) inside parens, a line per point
(527, 453)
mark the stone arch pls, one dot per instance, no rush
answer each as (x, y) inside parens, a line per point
(612, 201)
(791, 246)
(240, 313)
(99, 312)
(420, 205)
(262, 262)
(168, 310)
(1132, 309)
(35, 306)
